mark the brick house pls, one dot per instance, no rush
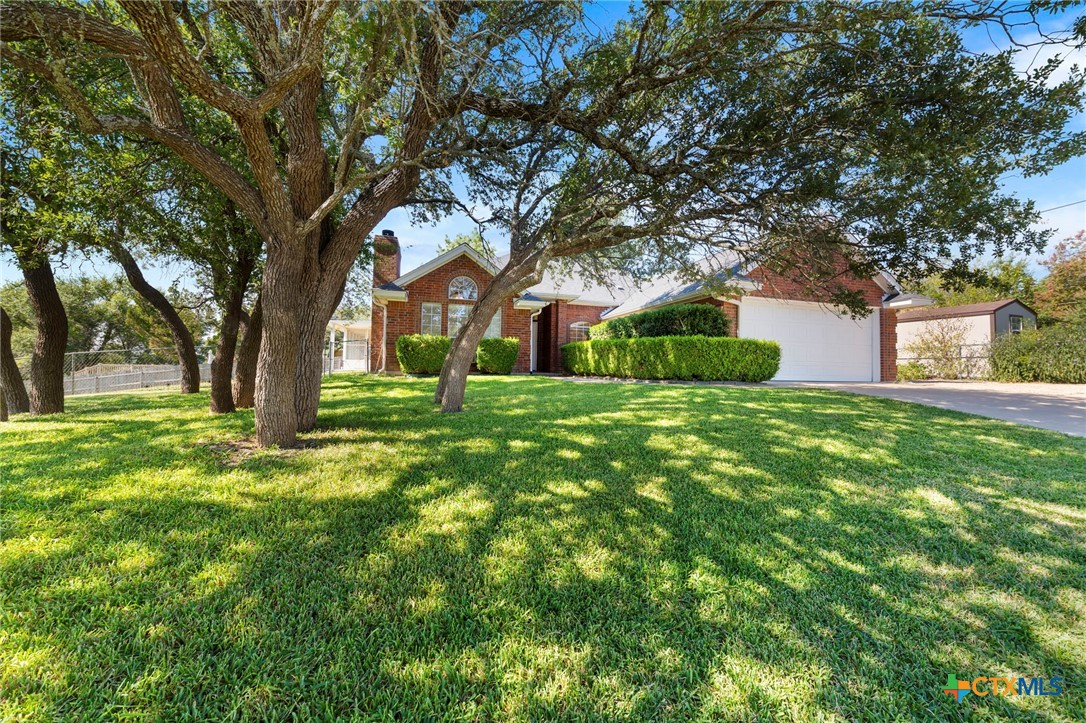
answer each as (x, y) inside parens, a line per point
(817, 343)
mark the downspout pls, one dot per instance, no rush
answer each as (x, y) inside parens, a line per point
(531, 340)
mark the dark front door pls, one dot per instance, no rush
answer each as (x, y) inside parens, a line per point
(544, 339)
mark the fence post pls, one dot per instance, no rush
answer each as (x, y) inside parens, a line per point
(97, 382)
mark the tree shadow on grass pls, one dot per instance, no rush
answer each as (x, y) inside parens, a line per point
(624, 552)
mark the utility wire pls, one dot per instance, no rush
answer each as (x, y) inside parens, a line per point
(1057, 208)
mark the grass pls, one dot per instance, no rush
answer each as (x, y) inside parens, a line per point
(568, 550)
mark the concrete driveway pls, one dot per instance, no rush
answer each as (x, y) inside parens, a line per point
(1061, 407)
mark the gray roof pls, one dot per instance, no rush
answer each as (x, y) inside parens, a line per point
(724, 267)
(984, 308)
(557, 284)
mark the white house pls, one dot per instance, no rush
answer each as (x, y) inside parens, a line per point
(349, 345)
(981, 323)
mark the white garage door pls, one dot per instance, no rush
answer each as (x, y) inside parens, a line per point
(816, 343)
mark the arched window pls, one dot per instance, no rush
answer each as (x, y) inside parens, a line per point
(578, 331)
(463, 288)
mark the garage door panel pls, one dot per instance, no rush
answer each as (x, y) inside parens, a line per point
(816, 343)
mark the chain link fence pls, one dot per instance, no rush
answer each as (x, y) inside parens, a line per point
(962, 361)
(117, 370)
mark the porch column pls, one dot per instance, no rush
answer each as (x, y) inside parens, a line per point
(331, 349)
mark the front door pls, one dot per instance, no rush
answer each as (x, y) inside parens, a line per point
(543, 339)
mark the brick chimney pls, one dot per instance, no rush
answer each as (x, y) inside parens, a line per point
(386, 258)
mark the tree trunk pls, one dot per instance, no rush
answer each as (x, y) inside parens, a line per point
(311, 355)
(3, 408)
(452, 384)
(182, 337)
(13, 391)
(248, 355)
(47, 360)
(281, 298)
(520, 273)
(222, 364)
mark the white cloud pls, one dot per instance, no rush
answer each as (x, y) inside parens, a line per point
(1032, 58)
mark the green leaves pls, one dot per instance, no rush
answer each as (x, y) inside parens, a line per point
(1054, 353)
(422, 353)
(675, 357)
(497, 356)
(677, 320)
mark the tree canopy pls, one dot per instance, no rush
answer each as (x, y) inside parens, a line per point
(991, 281)
(104, 313)
(473, 239)
(1062, 294)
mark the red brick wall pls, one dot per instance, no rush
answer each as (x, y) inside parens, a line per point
(888, 344)
(730, 310)
(564, 315)
(795, 287)
(405, 317)
(386, 259)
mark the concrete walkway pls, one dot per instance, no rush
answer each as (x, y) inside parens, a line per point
(1060, 407)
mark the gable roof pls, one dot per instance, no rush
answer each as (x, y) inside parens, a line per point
(984, 308)
(439, 261)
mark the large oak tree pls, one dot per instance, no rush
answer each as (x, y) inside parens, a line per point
(853, 139)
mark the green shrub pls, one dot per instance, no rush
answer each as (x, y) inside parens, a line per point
(497, 356)
(911, 372)
(675, 357)
(614, 329)
(678, 320)
(1049, 354)
(421, 353)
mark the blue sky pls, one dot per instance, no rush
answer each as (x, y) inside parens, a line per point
(1063, 186)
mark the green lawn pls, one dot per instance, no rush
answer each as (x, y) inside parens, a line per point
(558, 550)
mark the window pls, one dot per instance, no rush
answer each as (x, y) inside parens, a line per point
(494, 331)
(463, 288)
(458, 314)
(431, 319)
(1017, 323)
(578, 331)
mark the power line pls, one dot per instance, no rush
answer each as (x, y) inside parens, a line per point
(1057, 208)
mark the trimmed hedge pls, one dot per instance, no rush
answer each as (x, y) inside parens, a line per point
(675, 357)
(678, 320)
(497, 356)
(422, 353)
(1049, 354)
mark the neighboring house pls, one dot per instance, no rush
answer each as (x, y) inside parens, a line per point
(349, 342)
(817, 343)
(981, 323)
